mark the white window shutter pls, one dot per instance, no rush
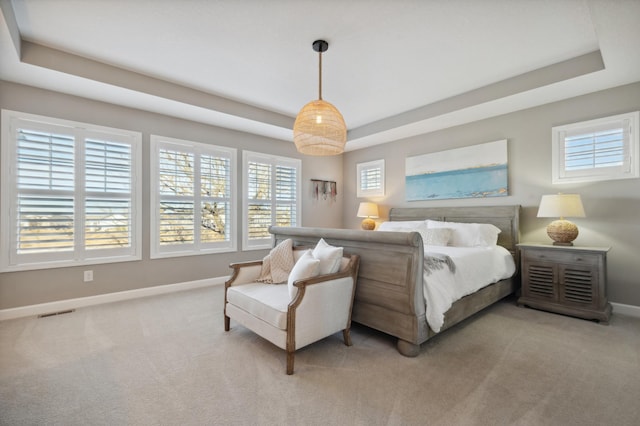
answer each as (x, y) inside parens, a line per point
(75, 191)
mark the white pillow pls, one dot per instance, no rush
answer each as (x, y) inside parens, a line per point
(437, 236)
(407, 226)
(306, 267)
(329, 257)
(469, 234)
(401, 226)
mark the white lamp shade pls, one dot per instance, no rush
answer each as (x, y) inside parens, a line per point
(561, 205)
(368, 210)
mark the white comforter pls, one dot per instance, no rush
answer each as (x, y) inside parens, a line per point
(475, 267)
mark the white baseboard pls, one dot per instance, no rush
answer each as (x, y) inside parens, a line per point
(63, 305)
(622, 309)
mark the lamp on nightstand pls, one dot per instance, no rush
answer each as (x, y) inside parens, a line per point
(368, 211)
(561, 231)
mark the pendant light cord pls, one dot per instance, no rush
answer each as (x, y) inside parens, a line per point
(320, 77)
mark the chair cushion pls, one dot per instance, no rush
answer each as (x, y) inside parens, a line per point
(265, 301)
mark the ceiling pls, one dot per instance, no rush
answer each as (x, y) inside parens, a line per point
(394, 68)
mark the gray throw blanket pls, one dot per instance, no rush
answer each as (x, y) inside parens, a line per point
(437, 261)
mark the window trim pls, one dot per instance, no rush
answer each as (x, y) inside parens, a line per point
(197, 248)
(370, 165)
(266, 243)
(79, 255)
(560, 175)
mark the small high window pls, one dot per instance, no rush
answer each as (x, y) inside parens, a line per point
(370, 179)
(602, 149)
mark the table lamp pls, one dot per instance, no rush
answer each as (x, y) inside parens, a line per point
(368, 211)
(561, 231)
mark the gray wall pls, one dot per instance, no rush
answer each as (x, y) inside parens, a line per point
(47, 285)
(612, 207)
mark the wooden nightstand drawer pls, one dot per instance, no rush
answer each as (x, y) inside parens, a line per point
(562, 257)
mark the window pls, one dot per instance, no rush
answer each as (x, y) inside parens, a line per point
(192, 198)
(70, 193)
(602, 149)
(370, 179)
(271, 196)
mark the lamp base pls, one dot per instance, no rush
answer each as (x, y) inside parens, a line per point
(562, 232)
(368, 224)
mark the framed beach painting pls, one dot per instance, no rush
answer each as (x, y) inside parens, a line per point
(477, 171)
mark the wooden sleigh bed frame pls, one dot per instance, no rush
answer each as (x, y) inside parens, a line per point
(389, 291)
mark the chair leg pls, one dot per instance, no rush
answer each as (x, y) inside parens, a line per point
(227, 323)
(346, 334)
(290, 362)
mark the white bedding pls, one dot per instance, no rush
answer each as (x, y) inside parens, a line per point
(475, 267)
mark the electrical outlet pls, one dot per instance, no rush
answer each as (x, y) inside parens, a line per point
(88, 276)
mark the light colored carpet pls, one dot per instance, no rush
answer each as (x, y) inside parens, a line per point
(166, 360)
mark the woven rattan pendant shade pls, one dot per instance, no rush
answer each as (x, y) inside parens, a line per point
(319, 128)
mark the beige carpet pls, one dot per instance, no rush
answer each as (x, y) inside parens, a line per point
(166, 360)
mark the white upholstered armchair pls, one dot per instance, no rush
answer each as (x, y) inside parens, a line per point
(296, 314)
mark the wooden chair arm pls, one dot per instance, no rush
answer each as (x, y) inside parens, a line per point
(246, 263)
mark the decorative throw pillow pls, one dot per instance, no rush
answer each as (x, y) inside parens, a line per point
(437, 236)
(329, 257)
(278, 263)
(306, 267)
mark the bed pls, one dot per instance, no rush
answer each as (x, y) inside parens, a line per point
(389, 291)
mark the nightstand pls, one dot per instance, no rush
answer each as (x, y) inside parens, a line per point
(567, 280)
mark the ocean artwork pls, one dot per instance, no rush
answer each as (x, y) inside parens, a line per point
(478, 171)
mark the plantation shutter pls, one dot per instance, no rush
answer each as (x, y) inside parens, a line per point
(176, 177)
(286, 196)
(45, 192)
(108, 191)
(272, 196)
(72, 193)
(215, 193)
(370, 179)
(192, 206)
(260, 200)
(598, 147)
(595, 150)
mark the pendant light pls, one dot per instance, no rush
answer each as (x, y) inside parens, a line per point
(319, 128)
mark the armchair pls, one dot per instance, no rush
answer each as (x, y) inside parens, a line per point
(320, 307)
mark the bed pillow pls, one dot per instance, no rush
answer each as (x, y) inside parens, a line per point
(401, 226)
(413, 225)
(437, 236)
(306, 267)
(469, 234)
(329, 257)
